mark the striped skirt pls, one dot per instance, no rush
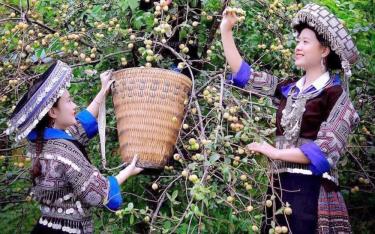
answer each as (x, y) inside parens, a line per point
(317, 205)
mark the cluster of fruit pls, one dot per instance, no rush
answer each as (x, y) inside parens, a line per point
(193, 144)
(239, 12)
(161, 6)
(211, 95)
(86, 58)
(163, 28)
(13, 82)
(230, 115)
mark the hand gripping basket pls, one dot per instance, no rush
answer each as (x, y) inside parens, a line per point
(149, 104)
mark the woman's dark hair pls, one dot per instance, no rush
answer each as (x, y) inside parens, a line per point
(44, 123)
(333, 61)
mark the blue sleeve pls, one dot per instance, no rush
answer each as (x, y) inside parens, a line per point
(114, 194)
(318, 161)
(242, 77)
(88, 122)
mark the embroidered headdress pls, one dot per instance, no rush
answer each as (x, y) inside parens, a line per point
(333, 31)
(35, 104)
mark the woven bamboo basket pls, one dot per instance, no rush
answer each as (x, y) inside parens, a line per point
(149, 106)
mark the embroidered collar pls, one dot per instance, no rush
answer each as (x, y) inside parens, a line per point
(317, 84)
(322, 82)
(50, 133)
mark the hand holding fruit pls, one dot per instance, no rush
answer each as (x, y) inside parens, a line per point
(230, 17)
(264, 148)
(106, 80)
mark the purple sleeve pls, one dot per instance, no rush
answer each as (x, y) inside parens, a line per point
(242, 77)
(318, 161)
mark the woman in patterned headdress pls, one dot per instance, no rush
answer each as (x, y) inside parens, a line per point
(313, 120)
(65, 183)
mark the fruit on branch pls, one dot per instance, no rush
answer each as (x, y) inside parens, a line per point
(154, 186)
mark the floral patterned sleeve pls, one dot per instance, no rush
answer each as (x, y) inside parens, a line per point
(260, 82)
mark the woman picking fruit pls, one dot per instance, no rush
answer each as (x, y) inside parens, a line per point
(65, 183)
(314, 119)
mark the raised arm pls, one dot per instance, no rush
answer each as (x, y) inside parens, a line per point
(230, 50)
(242, 74)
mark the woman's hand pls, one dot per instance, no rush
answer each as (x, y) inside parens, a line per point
(264, 148)
(129, 171)
(106, 80)
(132, 169)
(228, 21)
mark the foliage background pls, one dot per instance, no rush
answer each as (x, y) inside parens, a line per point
(264, 39)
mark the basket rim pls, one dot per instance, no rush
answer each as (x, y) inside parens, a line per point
(154, 69)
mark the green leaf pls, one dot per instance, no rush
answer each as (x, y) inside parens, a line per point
(174, 194)
(133, 4)
(214, 158)
(123, 4)
(131, 219)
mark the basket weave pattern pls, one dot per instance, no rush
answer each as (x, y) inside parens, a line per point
(149, 107)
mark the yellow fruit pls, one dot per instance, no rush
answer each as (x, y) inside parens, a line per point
(195, 24)
(249, 208)
(193, 178)
(254, 228)
(243, 177)
(28, 198)
(268, 203)
(146, 219)
(176, 157)
(184, 173)
(150, 58)
(192, 141)
(185, 126)
(181, 66)
(130, 45)
(288, 211)
(181, 46)
(284, 229)
(195, 146)
(230, 199)
(154, 186)
(277, 229)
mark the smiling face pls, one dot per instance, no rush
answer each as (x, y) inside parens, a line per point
(309, 51)
(64, 113)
